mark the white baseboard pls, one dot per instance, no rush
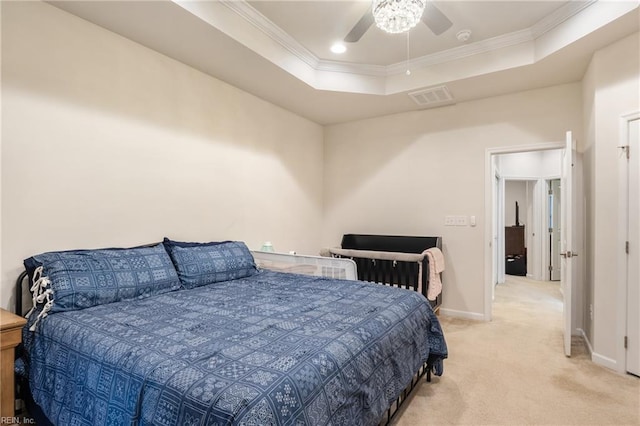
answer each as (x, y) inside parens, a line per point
(595, 357)
(462, 314)
(604, 361)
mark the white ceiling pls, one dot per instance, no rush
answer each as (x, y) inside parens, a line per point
(279, 50)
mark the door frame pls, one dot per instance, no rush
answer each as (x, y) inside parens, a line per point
(623, 233)
(549, 255)
(489, 173)
(498, 236)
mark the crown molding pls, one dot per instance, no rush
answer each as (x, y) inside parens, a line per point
(464, 51)
(559, 16)
(449, 55)
(350, 68)
(277, 34)
(546, 24)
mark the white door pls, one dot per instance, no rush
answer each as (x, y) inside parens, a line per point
(567, 247)
(633, 260)
(554, 228)
(496, 257)
(501, 253)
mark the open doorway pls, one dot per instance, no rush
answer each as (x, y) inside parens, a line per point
(528, 215)
(533, 166)
(538, 250)
(517, 204)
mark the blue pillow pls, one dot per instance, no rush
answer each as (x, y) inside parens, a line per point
(200, 264)
(83, 278)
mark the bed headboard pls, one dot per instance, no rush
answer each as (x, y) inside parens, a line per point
(394, 243)
(20, 291)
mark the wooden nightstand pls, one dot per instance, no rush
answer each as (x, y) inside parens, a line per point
(10, 336)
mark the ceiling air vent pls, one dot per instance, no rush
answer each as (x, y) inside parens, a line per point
(432, 97)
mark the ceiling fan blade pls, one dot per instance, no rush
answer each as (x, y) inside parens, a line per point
(360, 28)
(435, 19)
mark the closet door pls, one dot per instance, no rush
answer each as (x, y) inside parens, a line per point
(633, 257)
(568, 245)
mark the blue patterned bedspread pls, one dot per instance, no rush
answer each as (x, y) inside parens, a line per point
(268, 349)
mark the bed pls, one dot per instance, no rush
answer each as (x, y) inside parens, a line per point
(252, 347)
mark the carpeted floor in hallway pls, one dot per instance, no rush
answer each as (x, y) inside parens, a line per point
(513, 371)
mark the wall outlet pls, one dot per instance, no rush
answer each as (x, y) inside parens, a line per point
(461, 221)
(449, 221)
(591, 311)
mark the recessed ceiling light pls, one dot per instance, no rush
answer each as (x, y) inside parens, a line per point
(338, 48)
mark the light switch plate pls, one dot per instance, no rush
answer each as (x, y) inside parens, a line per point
(461, 221)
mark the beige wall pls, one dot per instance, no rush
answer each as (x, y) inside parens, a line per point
(586, 146)
(107, 143)
(611, 89)
(402, 174)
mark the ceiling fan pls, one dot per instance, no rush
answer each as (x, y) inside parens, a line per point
(432, 17)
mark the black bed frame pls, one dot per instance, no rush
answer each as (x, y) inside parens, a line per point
(392, 272)
(19, 290)
(22, 386)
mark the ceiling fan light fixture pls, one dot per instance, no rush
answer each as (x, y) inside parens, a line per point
(338, 47)
(397, 16)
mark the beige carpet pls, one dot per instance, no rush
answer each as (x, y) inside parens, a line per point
(513, 371)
